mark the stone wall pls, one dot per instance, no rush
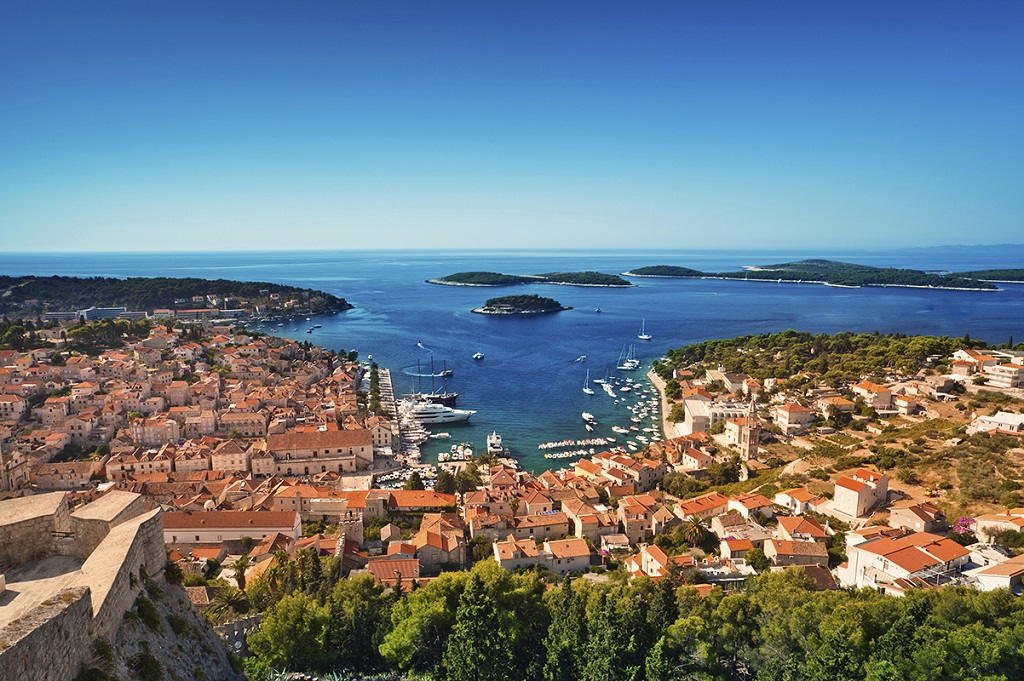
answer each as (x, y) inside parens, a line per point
(27, 527)
(49, 643)
(91, 523)
(234, 633)
(114, 568)
(121, 544)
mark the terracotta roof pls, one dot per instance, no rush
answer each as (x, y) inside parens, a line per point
(916, 551)
(851, 484)
(800, 525)
(229, 519)
(702, 503)
(738, 544)
(568, 548)
(384, 569)
(320, 439)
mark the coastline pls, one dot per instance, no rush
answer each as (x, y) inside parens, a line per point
(511, 313)
(441, 282)
(668, 428)
(824, 283)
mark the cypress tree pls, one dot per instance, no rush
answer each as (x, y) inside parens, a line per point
(567, 635)
(477, 649)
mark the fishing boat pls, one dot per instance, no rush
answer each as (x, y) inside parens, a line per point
(643, 335)
(586, 384)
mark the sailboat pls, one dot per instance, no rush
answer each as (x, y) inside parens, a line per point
(586, 384)
(627, 360)
(643, 335)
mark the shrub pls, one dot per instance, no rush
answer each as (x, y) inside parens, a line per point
(147, 667)
(179, 624)
(147, 612)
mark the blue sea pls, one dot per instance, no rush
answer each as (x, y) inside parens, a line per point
(529, 385)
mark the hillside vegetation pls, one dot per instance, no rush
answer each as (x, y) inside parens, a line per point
(995, 275)
(146, 293)
(489, 624)
(498, 279)
(835, 273)
(523, 304)
(841, 357)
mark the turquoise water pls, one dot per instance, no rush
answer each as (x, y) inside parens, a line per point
(529, 386)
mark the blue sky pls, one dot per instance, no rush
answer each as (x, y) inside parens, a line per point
(269, 125)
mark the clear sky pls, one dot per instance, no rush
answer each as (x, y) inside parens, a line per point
(178, 125)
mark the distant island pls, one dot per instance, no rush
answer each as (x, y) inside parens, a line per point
(563, 278)
(994, 275)
(833, 273)
(525, 304)
(32, 296)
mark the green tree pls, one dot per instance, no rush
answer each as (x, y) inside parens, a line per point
(566, 638)
(239, 567)
(359, 612)
(695, 530)
(477, 649)
(415, 482)
(756, 559)
(291, 636)
(445, 483)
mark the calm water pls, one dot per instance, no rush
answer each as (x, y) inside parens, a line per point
(528, 386)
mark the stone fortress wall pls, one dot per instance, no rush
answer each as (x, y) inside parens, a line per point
(113, 542)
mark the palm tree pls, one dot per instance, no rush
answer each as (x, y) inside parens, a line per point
(240, 566)
(695, 530)
(230, 598)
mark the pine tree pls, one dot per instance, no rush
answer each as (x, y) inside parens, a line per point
(477, 649)
(567, 635)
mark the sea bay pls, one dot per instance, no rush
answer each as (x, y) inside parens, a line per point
(528, 386)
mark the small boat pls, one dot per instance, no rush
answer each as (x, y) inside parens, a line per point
(494, 445)
(478, 355)
(586, 387)
(598, 310)
(589, 428)
(643, 335)
(581, 358)
(587, 416)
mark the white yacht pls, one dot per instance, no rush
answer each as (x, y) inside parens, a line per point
(494, 443)
(429, 413)
(587, 416)
(643, 335)
(478, 355)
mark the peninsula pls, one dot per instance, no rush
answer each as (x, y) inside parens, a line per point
(563, 278)
(31, 296)
(834, 273)
(528, 304)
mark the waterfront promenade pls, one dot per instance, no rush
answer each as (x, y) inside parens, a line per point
(668, 428)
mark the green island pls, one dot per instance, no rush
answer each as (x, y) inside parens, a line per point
(498, 279)
(995, 275)
(524, 304)
(834, 273)
(32, 296)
